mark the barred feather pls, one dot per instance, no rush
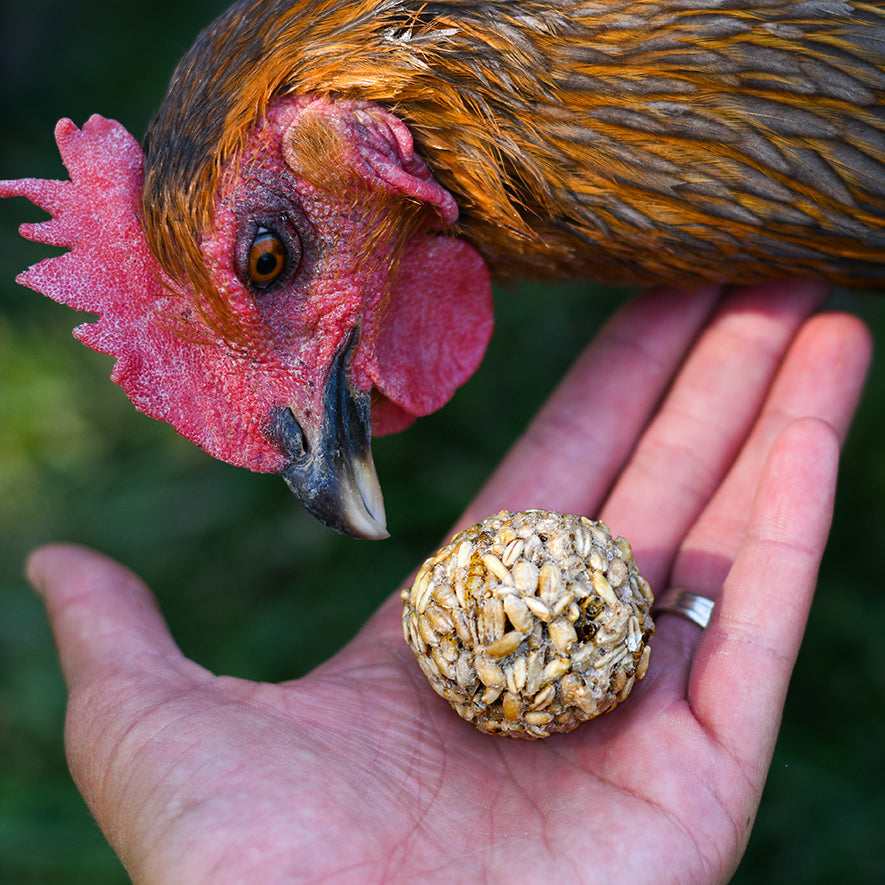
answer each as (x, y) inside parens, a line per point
(629, 140)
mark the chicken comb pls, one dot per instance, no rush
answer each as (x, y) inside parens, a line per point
(143, 321)
(96, 215)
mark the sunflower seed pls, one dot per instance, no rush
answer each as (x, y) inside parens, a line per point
(604, 589)
(556, 668)
(617, 572)
(525, 576)
(497, 568)
(489, 673)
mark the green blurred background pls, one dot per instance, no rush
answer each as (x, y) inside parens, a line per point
(232, 557)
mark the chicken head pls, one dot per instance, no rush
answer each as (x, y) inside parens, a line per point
(339, 319)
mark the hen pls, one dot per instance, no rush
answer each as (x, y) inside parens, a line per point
(299, 257)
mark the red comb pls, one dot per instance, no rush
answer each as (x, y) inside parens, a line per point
(96, 214)
(143, 320)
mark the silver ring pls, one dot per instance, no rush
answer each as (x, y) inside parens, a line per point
(697, 609)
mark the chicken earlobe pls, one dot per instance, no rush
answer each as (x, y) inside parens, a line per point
(434, 331)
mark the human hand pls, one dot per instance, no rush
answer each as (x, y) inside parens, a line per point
(704, 432)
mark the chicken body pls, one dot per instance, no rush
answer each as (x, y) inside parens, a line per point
(301, 240)
(626, 140)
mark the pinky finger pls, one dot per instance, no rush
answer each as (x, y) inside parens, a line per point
(740, 673)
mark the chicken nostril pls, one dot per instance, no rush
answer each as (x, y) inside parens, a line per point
(288, 434)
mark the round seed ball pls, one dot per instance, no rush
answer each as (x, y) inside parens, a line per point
(530, 623)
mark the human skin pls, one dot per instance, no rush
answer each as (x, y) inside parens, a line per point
(704, 427)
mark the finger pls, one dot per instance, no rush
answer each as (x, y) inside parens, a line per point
(739, 677)
(104, 618)
(691, 444)
(577, 443)
(822, 376)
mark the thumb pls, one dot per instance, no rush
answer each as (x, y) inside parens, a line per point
(103, 617)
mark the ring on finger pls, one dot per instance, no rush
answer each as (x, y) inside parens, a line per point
(695, 608)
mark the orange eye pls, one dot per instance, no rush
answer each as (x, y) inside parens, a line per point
(267, 258)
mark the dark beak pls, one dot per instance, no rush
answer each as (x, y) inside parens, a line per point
(335, 479)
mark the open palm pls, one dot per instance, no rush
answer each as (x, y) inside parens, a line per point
(702, 427)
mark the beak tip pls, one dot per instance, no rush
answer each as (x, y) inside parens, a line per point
(364, 510)
(330, 468)
(348, 501)
(370, 532)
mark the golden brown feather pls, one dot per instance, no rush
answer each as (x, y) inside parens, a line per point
(628, 140)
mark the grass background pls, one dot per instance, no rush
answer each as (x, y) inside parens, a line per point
(233, 559)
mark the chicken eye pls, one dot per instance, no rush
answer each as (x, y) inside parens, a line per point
(267, 258)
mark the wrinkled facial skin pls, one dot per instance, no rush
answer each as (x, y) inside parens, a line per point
(349, 296)
(336, 265)
(305, 295)
(295, 324)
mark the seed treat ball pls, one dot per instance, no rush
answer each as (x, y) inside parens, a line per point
(531, 623)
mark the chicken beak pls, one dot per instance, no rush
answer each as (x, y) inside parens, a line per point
(335, 478)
